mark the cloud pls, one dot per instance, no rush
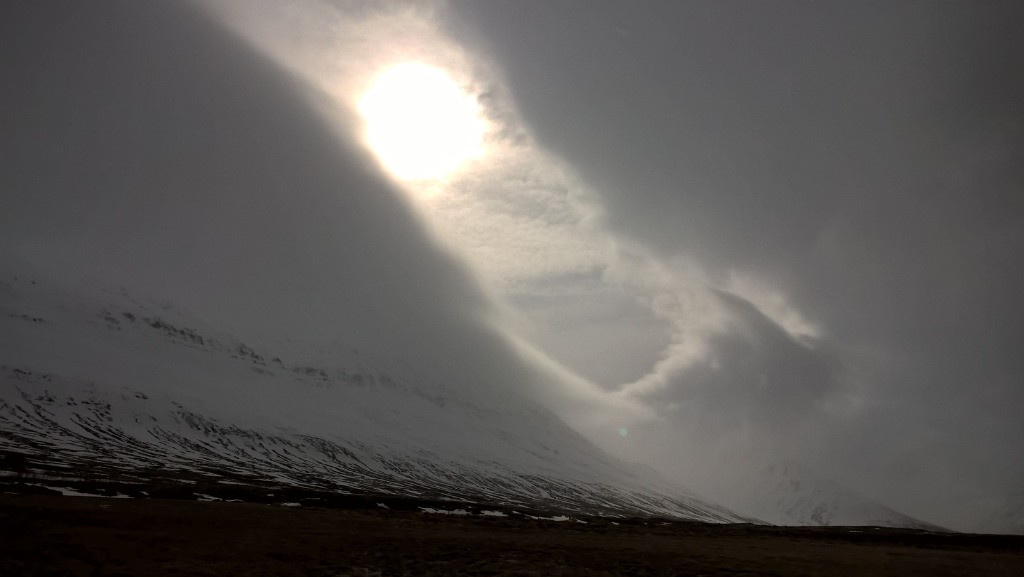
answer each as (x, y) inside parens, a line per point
(563, 282)
(848, 171)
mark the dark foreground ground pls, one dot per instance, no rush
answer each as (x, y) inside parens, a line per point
(48, 535)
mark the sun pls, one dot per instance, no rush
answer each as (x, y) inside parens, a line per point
(420, 123)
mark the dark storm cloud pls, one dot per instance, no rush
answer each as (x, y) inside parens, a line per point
(144, 145)
(865, 159)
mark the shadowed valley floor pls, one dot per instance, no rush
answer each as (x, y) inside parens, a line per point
(49, 535)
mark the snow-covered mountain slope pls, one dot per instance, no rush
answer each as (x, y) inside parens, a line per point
(788, 493)
(997, 513)
(101, 382)
(1007, 520)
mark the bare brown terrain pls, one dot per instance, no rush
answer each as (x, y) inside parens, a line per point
(51, 535)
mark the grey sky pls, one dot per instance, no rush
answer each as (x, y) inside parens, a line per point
(746, 226)
(866, 159)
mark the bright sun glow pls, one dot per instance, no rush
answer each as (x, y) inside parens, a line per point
(420, 123)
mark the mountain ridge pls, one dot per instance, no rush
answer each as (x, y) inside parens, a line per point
(786, 492)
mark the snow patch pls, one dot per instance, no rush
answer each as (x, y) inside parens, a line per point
(69, 492)
(444, 511)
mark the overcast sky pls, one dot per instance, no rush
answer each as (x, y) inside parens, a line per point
(861, 163)
(694, 229)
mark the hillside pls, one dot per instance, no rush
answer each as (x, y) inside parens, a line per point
(96, 382)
